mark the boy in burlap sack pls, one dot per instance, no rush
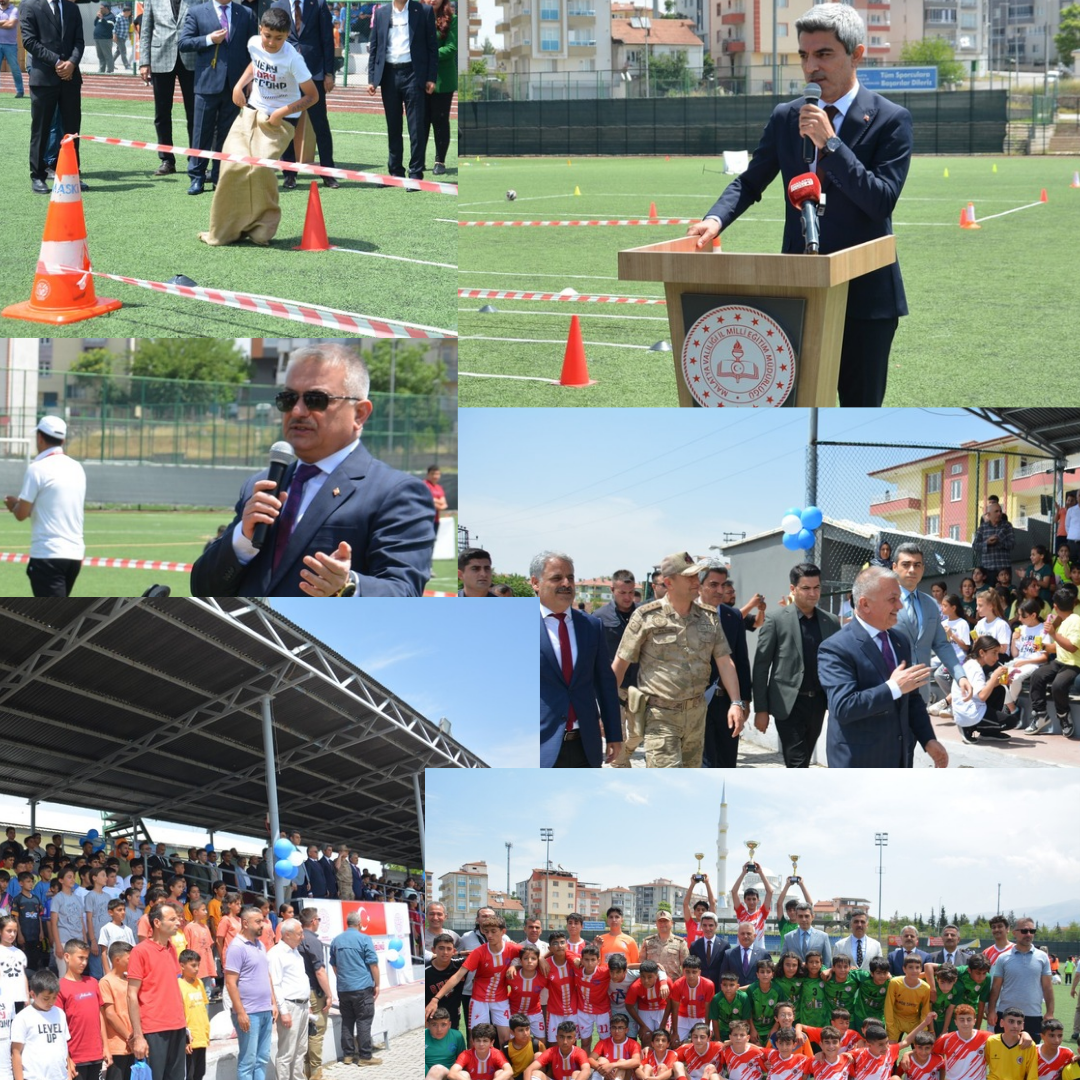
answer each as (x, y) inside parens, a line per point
(245, 202)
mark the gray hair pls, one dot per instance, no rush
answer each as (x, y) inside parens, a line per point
(289, 925)
(536, 567)
(352, 920)
(868, 580)
(908, 548)
(357, 380)
(909, 927)
(839, 19)
(703, 574)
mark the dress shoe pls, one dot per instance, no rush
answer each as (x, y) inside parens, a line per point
(331, 182)
(39, 187)
(440, 169)
(20, 95)
(166, 168)
(83, 185)
(196, 186)
(289, 183)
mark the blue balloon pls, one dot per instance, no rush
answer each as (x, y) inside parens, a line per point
(92, 833)
(396, 943)
(792, 541)
(398, 962)
(796, 510)
(812, 518)
(285, 869)
(283, 848)
(804, 539)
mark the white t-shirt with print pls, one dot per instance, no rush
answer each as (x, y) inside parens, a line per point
(44, 1039)
(277, 76)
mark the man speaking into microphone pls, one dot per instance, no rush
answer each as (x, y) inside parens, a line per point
(337, 522)
(859, 147)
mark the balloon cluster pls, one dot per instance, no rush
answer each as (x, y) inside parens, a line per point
(799, 526)
(394, 956)
(289, 858)
(93, 837)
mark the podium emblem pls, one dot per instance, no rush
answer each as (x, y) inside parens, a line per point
(736, 355)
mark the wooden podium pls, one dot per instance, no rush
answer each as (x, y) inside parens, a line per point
(804, 295)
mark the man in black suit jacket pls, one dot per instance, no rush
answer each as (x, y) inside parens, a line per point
(221, 57)
(709, 949)
(360, 529)
(314, 40)
(742, 959)
(951, 951)
(721, 746)
(52, 35)
(863, 154)
(910, 938)
(403, 61)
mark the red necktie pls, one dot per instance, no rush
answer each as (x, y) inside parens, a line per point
(297, 20)
(567, 663)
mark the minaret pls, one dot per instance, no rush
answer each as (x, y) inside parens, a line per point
(721, 852)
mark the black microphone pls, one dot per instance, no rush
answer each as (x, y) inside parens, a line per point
(812, 94)
(281, 457)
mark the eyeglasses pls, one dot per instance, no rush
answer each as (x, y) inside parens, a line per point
(314, 400)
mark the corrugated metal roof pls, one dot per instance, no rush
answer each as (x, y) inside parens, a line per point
(1056, 430)
(152, 708)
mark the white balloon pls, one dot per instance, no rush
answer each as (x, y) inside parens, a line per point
(297, 858)
(791, 523)
(391, 955)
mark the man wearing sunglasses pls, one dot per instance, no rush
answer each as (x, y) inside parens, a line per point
(345, 524)
(1021, 979)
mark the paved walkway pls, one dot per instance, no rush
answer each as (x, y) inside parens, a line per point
(405, 1058)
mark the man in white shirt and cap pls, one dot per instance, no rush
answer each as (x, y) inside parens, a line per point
(53, 496)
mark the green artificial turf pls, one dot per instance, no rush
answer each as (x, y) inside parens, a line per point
(987, 306)
(144, 227)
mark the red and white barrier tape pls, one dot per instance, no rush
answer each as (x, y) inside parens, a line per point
(624, 221)
(294, 310)
(271, 163)
(112, 564)
(585, 298)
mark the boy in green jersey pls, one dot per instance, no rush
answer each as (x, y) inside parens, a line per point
(872, 987)
(812, 1007)
(840, 989)
(442, 1045)
(763, 1000)
(730, 1004)
(947, 995)
(973, 983)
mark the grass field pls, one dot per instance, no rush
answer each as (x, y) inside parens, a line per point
(145, 227)
(163, 536)
(987, 306)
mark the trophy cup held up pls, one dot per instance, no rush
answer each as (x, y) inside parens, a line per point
(699, 876)
(794, 879)
(752, 865)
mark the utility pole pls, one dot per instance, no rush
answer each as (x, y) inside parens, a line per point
(547, 835)
(881, 839)
(509, 845)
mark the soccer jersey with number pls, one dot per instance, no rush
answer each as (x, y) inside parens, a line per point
(482, 1070)
(755, 918)
(763, 1003)
(593, 990)
(648, 1057)
(839, 1069)
(694, 1062)
(723, 1011)
(972, 992)
(693, 1000)
(812, 1007)
(869, 999)
(941, 1005)
(490, 970)
(914, 1071)
(525, 993)
(562, 989)
(864, 1066)
(613, 1051)
(560, 1066)
(793, 1067)
(842, 995)
(1051, 1070)
(787, 989)
(744, 1066)
(963, 1060)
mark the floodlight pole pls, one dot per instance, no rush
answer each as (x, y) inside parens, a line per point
(271, 795)
(881, 839)
(419, 819)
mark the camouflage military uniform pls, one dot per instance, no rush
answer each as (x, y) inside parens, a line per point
(673, 652)
(668, 954)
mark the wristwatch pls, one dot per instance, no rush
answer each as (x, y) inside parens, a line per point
(832, 144)
(741, 704)
(351, 585)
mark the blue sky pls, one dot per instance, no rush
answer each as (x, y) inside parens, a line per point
(628, 486)
(467, 662)
(947, 844)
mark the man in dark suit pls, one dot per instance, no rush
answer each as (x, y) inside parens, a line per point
(709, 949)
(578, 695)
(218, 35)
(53, 37)
(743, 958)
(910, 947)
(875, 717)
(614, 617)
(786, 680)
(312, 35)
(403, 61)
(356, 527)
(863, 154)
(721, 745)
(951, 951)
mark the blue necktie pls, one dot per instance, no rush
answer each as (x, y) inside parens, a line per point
(805, 935)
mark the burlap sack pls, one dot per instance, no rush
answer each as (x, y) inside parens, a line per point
(245, 202)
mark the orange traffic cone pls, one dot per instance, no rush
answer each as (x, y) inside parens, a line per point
(967, 217)
(315, 238)
(1042, 197)
(63, 297)
(653, 215)
(575, 372)
(1076, 180)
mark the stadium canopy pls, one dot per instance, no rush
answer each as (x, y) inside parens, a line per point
(219, 713)
(1056, 431)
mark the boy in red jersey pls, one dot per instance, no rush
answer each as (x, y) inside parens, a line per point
(561, 975)
(841, 1021)
(1053, 1057)
(698, 1059)
(658, 1061)
(524, 987)
(922, 1063)
(830, 1064)
(574, 941)
(690, 997)
(962, 1049)
(999, 927)
(646, 1000)
(751, 909)
(483, 1061)
(592, 979)
(618, 1056)
(877, 1060)
(783, 1063)
(740, 1058)
(564, 1060)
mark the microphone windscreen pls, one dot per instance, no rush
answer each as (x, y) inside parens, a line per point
(281, 453)
(812, 90)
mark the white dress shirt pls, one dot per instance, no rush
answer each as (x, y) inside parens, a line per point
(397, 47)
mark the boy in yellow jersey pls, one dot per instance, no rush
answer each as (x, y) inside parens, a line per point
(907, 1000)
(523, 1046)
(1005, 1058)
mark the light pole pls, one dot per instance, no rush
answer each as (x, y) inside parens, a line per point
(644, 23)
(509, 845)
(881, 839)
(547, 835)
(998, 909)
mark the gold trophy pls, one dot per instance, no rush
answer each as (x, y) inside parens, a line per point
(794, 869)
(699, 855)
(750, 845)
